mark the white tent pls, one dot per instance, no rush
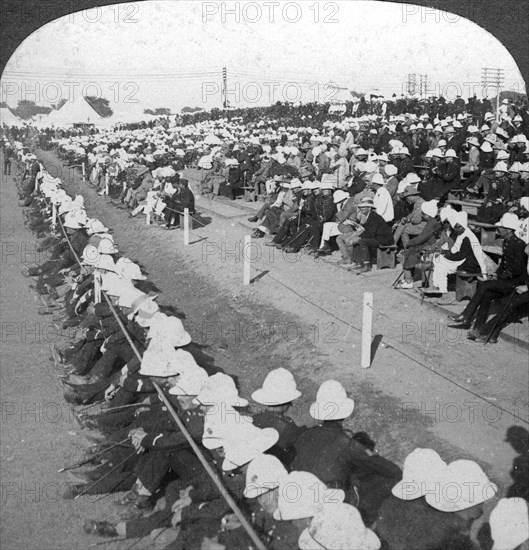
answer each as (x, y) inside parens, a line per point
(77, 111)
(40, 121)
(9, 119)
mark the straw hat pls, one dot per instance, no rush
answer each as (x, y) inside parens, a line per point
(331, 402)
(279, 387)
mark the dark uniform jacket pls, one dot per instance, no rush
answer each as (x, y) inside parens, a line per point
(513, 263)
(376, 229)
(329, 453)
(288, 431)
(325, 208)
(414, 525)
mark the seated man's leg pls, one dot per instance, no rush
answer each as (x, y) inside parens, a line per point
(411, 230)
(518, 305)
(262, 211)
(285, 231)
(488, 297)
(345, 250)
(152, 468)
(470, 310)
(330, 229)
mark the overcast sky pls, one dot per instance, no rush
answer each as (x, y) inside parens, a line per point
(171, 54)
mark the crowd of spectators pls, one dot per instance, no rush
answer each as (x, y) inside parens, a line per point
(295, 486)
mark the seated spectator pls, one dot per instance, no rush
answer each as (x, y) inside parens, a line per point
(413, 224)
(372, 233)
(421, 244)
(287, 200)
(465, 255)
(296, 231)
(332, 229)
(382, 199)
(211, 183)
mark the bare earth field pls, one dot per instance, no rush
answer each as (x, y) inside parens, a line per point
(427, 386)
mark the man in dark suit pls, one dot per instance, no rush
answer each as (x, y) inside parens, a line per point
(376, 233)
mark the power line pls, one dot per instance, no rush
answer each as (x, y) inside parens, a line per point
(493, 77)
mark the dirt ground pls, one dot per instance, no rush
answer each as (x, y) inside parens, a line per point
(427, 386)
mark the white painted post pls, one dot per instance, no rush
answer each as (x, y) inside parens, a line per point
(367, 325)
(84, 171)
(97, 287)
(186, 226)
(54, 215)
(246, 260)
(148, 218)
(107, 178)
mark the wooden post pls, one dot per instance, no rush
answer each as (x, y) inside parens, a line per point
(186, 226)
(246, 260)
(148, 218)
(97, 286)
(367, 324)
(107, 178)
(84, 171)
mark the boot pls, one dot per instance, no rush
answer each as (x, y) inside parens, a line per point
(101, 528)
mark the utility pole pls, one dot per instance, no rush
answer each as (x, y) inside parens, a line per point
(224, 87)
(411, 87)
(493, 77)
(423, 85)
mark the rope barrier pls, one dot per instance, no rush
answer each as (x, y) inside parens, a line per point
(190, 440)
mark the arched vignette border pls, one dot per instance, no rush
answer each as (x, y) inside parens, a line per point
(507, 20)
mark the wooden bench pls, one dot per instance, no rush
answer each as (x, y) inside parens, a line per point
(471, 207)
(487, 232)
(466, 285)
(387, 257)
